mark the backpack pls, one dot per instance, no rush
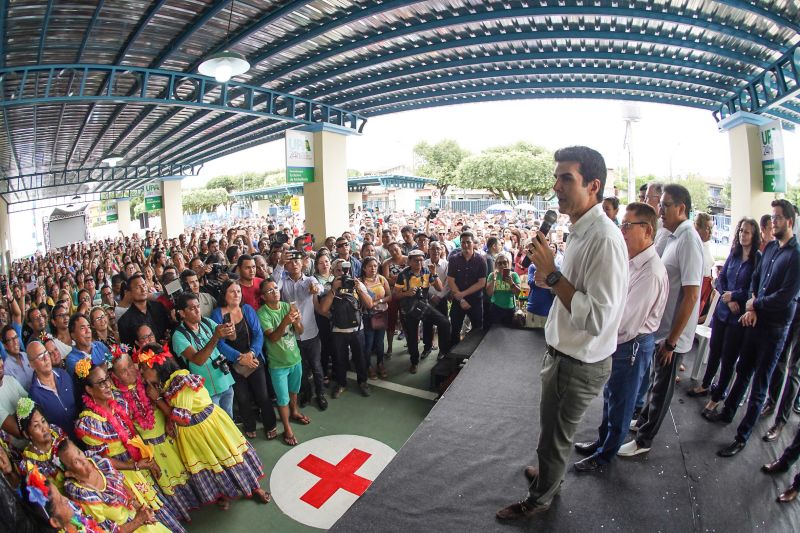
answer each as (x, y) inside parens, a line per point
(345, 311)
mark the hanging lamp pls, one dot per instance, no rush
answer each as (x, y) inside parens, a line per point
(226, 64)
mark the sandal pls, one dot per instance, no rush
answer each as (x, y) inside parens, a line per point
(272, 434)
(301, 418)
(224, 504)
(382, 372)
(290, 441)
(261, 496)
(250, 434)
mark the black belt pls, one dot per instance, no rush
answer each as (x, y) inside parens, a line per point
(555, 353)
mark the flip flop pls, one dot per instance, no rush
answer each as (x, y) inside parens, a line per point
(301, 418)
(250, 434)
(290, 441)
(261, 496)
(272, 434)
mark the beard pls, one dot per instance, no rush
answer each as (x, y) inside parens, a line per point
(779, 234)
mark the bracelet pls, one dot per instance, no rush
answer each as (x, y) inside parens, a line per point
(136, 465)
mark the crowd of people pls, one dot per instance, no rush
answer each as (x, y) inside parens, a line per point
(125, 362)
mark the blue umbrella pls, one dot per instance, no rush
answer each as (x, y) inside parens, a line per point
(499, 208)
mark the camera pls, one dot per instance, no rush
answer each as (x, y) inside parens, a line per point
(432, 212)
(221, 364)
(348, 283)
(281, 237)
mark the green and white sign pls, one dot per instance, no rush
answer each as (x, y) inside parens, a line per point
(299, 157)
(152, 196)
(111, 211)
(772, 163)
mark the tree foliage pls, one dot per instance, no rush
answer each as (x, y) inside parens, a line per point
(698, 189)
(508, 171)
(440, 161)
(203, 200)
(247, 181)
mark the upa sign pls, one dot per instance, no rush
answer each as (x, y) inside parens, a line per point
(111, 211)
(299, 157)
(317, 481)
(772, 164)
(152, 196)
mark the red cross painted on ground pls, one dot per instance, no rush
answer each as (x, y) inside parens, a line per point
(334, 477)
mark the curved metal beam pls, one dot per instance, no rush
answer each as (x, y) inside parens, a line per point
(751, 7)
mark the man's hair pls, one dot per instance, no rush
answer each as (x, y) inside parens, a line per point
(613, 200)
(657, 186)
(182, 302)
(679, 195)
(73, 321)
(643, 188)
(591, 163)
(243, 258)
(491, 241)
(230, 253)
(5, 330)
(787, 208)
(29, 311)
(646, 213)
(764, 220)
(186, 274)
(701, 219)
(466, 235)
(406, 229)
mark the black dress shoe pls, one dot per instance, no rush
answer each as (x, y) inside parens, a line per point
(586, 448)
(589, 464)
(768, 409)
(322, 402)
(732, 449)
(716, 416)
(521, 509)
(776, 467)
(788, 495)
(692, 393)
(773, 433)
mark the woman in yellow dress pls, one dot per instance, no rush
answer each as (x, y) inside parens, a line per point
(221, 462)
(101, 492)
(107, 430)
(43, 439)
(155, 430)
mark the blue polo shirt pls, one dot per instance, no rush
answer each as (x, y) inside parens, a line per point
(57, 405)
(99, 351)
(18, 329)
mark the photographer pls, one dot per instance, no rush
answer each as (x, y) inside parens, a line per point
(411, 289)
(208, 276)
(191, 283)
(195, 340)
(345, 301)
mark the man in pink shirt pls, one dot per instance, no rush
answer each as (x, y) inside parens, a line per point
(647, 296)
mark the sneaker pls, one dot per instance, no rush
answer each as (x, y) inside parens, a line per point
(364, 387)
(401, 336)
(629, 449)
(322, 402)
(337, 391)
(633, 426)
(425, 353)
(413, 369)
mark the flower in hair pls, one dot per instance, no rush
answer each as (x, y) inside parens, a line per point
(25, 407)
(149, 357)
(83, 367)
(115, 352)
(44, 337)
(38, 491)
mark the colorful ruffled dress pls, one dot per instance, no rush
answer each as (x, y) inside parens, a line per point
(112, 506)
(81, 522)
(216, 454)
(47, 462)
(174, 480)
(102, 439)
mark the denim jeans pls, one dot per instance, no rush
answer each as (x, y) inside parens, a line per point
(225, 401)
(628, 364)
(760, 351)
(373, 343)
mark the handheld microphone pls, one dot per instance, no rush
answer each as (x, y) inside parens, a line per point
(550, 218)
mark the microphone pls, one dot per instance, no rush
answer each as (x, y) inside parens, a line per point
(550, 218)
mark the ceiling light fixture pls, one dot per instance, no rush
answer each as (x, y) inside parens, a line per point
(224, 65)
(112, 159)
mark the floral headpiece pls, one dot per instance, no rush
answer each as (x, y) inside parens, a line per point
(83, 367)
(38, 489)
(116, 351)
(149, 357)
(25, 407)
(44, 337)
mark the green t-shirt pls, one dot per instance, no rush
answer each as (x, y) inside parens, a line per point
(503, 297)
(216, 381)
(285, 352)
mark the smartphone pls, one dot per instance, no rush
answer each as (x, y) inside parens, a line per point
(226, 318)
(506, 273)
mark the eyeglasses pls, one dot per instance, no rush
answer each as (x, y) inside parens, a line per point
(145, 337)
(38, 358)
(60, 315)
(665, 205)
(340, 244)
(270, 291)
(15, 337)
(776, 218)
(627, 225)
(103, 383)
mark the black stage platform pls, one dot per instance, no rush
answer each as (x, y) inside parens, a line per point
(465, 461)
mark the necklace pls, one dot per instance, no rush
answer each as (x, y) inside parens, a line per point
(119, 420)
(137, 400)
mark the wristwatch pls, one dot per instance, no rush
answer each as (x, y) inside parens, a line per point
(553, 278)
(669, 347)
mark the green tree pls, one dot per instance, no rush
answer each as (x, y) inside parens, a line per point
(793, 193)
(229, 183)
(440, 161)
(698, 189)
(621, 184)
(203, 200)
(508, 171)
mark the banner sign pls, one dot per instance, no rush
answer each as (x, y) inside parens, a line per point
(299, 157)
(295, 203)
(111, 211)
(772, 163)
(152, 196)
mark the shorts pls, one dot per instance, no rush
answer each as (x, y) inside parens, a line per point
(534, 321)
(286, 381)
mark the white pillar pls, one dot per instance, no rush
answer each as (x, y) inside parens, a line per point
(261, 207)
(355, 199)
(6, 243)
(172, 207)
(326, 198)
(747, 180)
(124, 216)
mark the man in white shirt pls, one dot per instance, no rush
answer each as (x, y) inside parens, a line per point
(683, 259)
(647, 296)
(581, 329)
(437, 264)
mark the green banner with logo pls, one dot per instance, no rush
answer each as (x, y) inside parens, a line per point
(299, 157)
(153, 200)
(772, 163)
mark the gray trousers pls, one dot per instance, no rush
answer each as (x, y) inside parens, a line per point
(568, 386)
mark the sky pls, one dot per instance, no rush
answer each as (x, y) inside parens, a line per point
(667, 140)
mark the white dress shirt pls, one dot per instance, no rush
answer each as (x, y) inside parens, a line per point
(596, 264)
(648, 288)
(440, 269)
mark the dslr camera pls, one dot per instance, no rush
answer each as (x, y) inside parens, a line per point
(432, 213)
(222, 364)
(348, 283)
